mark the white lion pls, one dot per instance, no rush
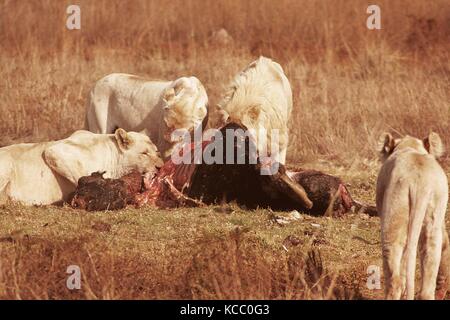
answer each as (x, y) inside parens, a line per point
(156, 107)
(260, 98)
(412, 195)
(47, 172)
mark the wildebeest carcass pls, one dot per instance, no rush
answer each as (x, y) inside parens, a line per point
(308, 191)
(241, 181)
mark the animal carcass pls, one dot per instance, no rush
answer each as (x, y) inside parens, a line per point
(97, 193)
(192, 184)
(308, 191)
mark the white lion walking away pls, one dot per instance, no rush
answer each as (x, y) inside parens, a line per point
(46, 173)
(260, 98)
(156, 107)
(412, 195)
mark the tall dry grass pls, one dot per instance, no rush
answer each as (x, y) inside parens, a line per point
(234, 266)
(349, 83)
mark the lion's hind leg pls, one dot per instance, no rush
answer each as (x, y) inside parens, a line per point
(443, 278)
(392, 265)
(430, 254)
(394, 236)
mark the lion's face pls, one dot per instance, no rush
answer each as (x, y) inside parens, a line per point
(185, 106)
(137, 152)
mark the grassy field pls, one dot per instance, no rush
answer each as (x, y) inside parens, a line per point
(209, 253)
(349, 85)
(202, 253)
(184, 254)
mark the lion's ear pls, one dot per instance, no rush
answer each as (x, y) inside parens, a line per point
(386, 145)
(433, 144)
(124, 140)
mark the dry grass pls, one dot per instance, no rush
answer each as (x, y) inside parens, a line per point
(349, 84)
(181, 254)
(207, 253)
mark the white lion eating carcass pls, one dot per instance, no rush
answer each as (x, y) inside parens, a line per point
(156, 107)
(260, 99)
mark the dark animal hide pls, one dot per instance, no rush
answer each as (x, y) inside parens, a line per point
(95, 193)
(328, 193)
(245, 185)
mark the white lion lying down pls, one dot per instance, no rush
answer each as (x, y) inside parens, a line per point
(46, 173)
(260, 98)
(157, 107)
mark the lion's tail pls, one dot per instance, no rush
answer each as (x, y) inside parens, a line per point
(417, 212)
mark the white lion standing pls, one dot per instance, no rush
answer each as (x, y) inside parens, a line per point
(412, 195)
(156, 107)
(260, 98)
